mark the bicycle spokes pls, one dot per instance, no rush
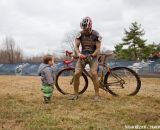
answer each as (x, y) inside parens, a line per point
(122, 81)
(65, 81)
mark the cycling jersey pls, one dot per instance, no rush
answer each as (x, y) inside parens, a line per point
(88, 41)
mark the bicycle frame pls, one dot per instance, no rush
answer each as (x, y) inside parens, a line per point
(105, 67)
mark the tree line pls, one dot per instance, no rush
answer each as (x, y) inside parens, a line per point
(11, 53)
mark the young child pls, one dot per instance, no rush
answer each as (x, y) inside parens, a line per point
(47, 77)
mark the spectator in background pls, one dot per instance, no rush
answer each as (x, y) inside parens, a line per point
(154, 56)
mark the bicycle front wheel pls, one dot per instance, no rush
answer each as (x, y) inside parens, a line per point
(65, 79)
(122, 81)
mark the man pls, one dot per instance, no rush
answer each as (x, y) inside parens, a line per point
(90, 41)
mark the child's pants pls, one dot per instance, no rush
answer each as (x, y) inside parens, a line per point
(47, 90)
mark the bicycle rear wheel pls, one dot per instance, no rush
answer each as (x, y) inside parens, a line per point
(122, 81)
(65, 79)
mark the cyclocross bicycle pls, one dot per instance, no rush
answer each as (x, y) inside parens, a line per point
(118, 81)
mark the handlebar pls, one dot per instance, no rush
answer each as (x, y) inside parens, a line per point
(69, 53)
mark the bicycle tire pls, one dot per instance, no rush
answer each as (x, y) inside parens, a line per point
(59, 88)
(134, 74)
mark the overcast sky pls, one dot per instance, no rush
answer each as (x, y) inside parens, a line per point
(39, 26)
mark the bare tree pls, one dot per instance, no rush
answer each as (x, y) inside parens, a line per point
(18, 54)
(9, 52)
(3, 56)
(9, 45)
(69, 40)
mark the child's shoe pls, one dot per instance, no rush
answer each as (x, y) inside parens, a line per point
(47, 99)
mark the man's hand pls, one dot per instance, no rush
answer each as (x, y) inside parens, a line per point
(92, 55)
(81, 56)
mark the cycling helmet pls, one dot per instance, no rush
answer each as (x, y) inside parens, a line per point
(86, 23)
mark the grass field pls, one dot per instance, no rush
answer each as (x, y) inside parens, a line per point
(21, 107)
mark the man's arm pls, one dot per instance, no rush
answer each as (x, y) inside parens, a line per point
(97, 51)
(77, 44)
